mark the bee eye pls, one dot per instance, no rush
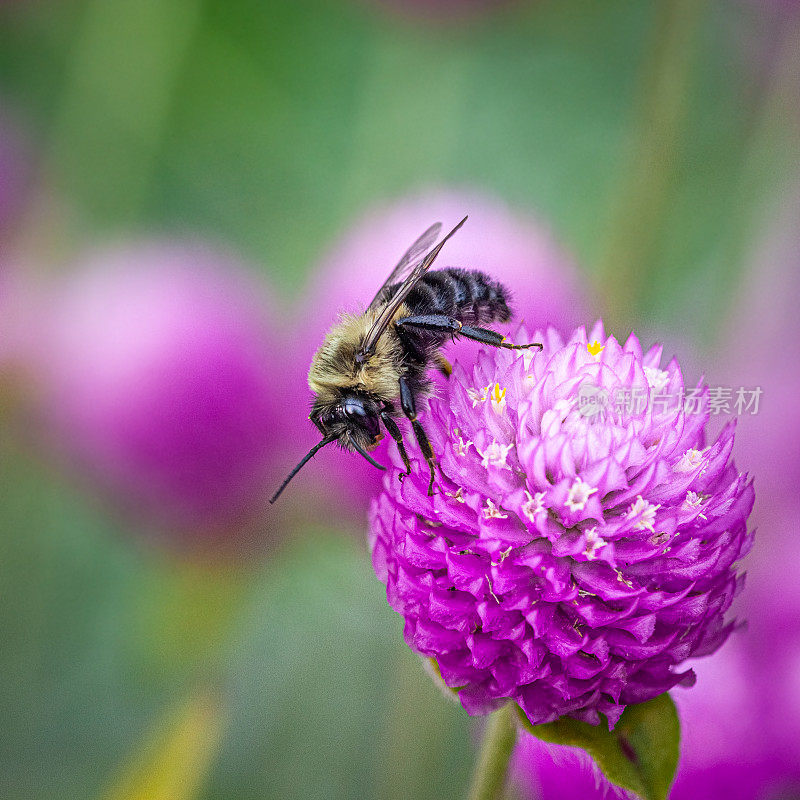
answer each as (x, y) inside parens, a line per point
(354, 408)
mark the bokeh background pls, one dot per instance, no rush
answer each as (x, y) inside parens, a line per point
(189, 190)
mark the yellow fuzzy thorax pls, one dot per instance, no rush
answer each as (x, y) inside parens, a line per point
(334, 366)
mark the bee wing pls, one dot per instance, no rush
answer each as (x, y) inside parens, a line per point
(409, 260)
(386, 316)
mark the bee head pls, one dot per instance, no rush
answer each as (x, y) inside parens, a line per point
(354, 419)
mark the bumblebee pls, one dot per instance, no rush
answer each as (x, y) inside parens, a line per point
(370, 364)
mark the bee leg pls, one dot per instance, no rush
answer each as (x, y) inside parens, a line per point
(444, 324)
(440, 323)
(427, 451)
(410, 410)
(437, 323)
(394, 432)
(493, 338)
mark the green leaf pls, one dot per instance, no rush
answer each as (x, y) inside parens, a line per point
(640, 754)
(173, 761)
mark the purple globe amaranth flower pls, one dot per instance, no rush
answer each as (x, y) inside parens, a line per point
(509, 245)
(158, 373)
(584, 543)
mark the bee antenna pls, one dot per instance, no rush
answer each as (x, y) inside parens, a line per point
(367, 456)
(311, 453)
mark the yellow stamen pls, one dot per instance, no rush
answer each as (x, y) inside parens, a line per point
(595, 348)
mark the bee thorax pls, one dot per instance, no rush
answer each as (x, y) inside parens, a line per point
(334, 367)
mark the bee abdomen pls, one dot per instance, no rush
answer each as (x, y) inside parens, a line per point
(469, 296)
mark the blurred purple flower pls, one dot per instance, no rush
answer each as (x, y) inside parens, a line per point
(759, 355)
(579, 551)
(18, 303)
(755, 355)
(508, 245)
(727, 745)
(158, 374)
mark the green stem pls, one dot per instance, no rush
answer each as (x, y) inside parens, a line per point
(768, 165)
(498, 744)
(116, 99)
(649, 171)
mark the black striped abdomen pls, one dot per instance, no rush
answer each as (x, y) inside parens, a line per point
(469, 296)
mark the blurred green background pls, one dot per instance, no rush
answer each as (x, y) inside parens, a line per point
(653, 137)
